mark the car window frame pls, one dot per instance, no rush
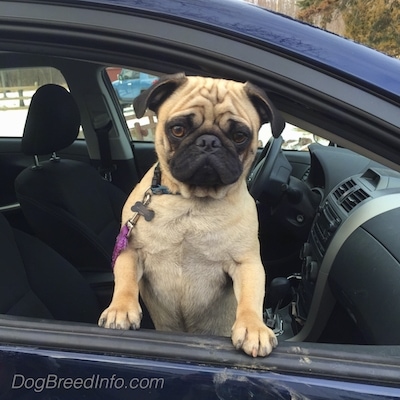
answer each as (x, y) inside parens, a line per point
(112, 342)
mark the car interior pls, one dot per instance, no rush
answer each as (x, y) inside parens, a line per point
(328, 217)
(56, 195)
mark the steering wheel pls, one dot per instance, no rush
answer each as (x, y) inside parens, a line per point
(270, 173)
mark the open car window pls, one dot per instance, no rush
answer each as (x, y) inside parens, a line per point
(328, 216)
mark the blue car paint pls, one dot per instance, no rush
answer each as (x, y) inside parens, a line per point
(31, 374)
(274, 31)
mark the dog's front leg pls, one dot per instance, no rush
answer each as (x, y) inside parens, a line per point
(124, 312)
(249, 331)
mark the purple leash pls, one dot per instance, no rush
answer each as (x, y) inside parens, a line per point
(121, 243)
(139, 209)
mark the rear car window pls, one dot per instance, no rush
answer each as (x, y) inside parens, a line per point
(17, 86)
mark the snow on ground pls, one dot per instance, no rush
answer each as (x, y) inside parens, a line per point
(12, 116)
(12, 122)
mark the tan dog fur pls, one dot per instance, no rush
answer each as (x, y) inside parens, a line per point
(197, 264)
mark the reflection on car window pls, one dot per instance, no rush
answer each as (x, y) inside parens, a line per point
(128, 84)
(17, 86)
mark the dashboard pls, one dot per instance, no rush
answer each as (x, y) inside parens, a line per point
(351, 258)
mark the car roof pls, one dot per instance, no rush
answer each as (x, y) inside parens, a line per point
(275, 32)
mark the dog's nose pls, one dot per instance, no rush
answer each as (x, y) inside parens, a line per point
(208, 143)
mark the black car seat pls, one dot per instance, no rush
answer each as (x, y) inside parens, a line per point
(37, 282)
(66, 202)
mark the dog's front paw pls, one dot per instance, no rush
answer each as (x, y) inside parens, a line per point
(251, 334)
(121, 315)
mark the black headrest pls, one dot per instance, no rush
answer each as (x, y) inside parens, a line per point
(52, 122)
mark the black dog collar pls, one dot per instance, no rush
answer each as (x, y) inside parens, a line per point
(156, 187)
(140, 208)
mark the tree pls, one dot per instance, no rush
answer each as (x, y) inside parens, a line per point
(374, 23)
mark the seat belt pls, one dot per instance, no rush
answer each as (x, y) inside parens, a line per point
(106, 167)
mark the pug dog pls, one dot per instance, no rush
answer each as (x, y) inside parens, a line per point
(189, 237)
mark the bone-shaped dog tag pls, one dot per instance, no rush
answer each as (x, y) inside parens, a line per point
(140, 208)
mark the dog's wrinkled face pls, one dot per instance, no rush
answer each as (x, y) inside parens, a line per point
(207, 132)
(209, 135)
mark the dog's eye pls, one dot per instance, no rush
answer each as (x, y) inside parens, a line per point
(239, 137)
(178, 130)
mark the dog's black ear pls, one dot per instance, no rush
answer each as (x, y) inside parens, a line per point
(265, 108)
(154, 96)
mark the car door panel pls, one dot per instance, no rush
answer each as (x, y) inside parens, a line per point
(210, 368)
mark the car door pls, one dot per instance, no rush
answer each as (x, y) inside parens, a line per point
(293, 65)
(171, 366)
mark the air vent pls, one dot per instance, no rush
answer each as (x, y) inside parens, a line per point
(353, 199)
(349, 195)
(344, 189)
